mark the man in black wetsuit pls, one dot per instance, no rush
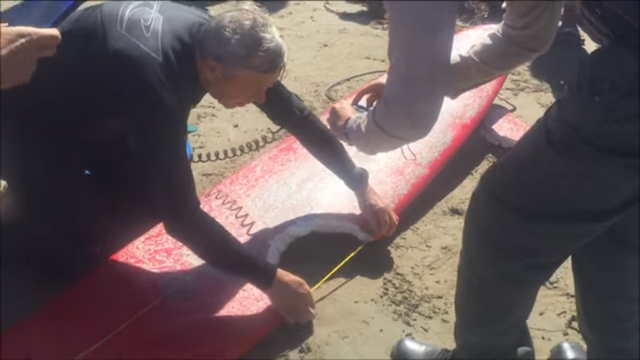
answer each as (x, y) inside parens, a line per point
(115, 100)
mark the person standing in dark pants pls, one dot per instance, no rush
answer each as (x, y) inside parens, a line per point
(568, 188)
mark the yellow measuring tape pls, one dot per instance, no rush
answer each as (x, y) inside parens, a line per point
(337, 267)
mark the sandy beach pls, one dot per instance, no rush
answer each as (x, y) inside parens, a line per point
(400, 287)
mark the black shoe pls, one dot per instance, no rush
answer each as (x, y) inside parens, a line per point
(568, 350)
(411, 349)
(525, 353)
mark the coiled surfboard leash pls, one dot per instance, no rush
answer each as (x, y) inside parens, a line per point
(239, 213)
(233, 152)
(340, 82)
(270, 137)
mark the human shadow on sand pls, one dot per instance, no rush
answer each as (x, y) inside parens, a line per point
(363, 16)
(273, 6)
(202, 4)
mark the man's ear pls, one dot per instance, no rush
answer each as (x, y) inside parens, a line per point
(209, 68)
(213, 68)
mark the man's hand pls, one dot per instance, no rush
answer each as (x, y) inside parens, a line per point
(373, 92)
(339, 114)
(20, 49)
(377, 214)
(291, 296)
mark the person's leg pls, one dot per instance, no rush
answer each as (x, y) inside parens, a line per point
(21, 295)
(512, 243)
(43, 220)
(124, 209)
(563, 184)
(606, 277)
(503, 263)
(567, 183)
(529, 213)
(82, 219)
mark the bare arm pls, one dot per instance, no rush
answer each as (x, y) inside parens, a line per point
(20, 49)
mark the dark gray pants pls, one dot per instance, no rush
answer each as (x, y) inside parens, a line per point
(569, 188)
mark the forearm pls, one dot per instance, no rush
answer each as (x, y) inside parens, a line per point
(185, 221)
(420, 39)
(218, 248)
(285, 109)
(177, 203)
(527, 30)
(168, 182)
(20, 49)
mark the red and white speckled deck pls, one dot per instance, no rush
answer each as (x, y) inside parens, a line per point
(155, 299)
(502, 127)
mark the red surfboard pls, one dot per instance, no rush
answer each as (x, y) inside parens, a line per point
(502, 127)
(156, 299)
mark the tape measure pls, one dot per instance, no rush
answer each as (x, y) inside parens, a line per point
(337, 267)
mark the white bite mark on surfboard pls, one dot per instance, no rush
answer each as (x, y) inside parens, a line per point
(298, 229)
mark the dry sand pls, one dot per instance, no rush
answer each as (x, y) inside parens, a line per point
(403, 287)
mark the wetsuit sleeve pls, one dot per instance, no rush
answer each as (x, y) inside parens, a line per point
(284, 108)
(159, 148)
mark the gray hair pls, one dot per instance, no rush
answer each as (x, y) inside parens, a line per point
(243, 38)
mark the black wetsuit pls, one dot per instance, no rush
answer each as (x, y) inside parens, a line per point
(115, 101)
